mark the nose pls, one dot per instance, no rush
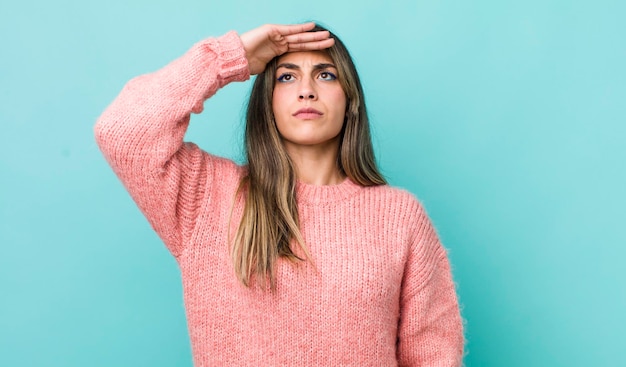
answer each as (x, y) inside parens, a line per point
(307, 90)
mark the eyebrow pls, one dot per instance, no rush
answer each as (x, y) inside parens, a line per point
(288, 65)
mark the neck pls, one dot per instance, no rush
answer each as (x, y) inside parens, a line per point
(316, 165)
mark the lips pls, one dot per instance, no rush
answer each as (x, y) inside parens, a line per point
(307, 113)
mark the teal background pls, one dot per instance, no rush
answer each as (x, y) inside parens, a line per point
(506, 118)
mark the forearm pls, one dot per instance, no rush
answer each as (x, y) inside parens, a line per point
(146, 123)
(431, 328)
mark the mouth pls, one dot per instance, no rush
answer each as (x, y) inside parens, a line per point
(307, 113)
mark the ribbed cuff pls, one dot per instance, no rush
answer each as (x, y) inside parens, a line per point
(232, 57)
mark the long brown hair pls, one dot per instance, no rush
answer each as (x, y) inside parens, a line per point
(270, 216)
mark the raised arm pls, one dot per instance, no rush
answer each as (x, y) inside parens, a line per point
(141, 132)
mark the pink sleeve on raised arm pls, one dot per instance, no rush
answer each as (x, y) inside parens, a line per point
(141, 134)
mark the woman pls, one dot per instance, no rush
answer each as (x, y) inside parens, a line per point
(304, 256)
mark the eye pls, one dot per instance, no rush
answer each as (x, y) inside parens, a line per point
(327, 75)
(286, 77)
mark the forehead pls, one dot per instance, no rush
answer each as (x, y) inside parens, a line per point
(305, 58)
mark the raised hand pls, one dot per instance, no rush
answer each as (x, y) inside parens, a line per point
(264, 43)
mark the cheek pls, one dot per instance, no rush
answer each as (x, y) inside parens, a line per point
(279, 108)
(278, 102)
(340, 102)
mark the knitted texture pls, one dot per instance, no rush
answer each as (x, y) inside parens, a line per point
(378, 291)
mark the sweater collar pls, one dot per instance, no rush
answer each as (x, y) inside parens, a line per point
(308, 194)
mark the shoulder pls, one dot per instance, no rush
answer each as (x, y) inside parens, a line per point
(401, 200)
(396, 205)
(403, 208)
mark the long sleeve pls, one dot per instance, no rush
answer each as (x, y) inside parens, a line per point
(141, 134)
(430, 331)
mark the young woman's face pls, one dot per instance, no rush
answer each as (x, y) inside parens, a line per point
(308, 102)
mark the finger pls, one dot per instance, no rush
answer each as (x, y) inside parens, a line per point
(286, 30)
(307, 37)
(311, 46)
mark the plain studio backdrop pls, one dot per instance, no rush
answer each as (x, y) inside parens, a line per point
(506, 118)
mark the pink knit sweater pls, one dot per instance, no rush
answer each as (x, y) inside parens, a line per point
(381, 291)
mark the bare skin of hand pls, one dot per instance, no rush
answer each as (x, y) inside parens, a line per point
(264, 43)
